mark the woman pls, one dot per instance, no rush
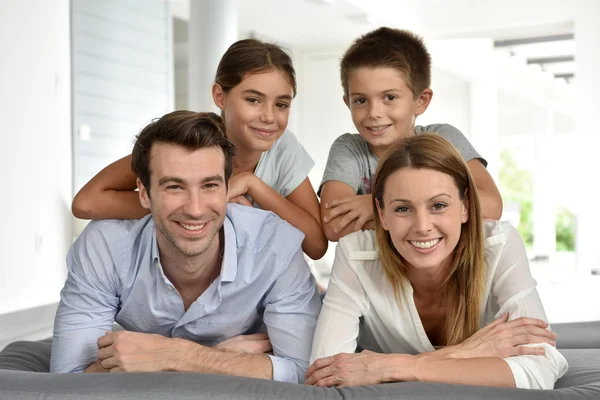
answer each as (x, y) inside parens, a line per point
(426, 280)
(254, 87)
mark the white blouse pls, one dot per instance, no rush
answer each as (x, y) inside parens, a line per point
(359, 288)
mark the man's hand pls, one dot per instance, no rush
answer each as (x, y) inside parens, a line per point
(256, 343)
(125, 351)
(359, 208)
(502, 338)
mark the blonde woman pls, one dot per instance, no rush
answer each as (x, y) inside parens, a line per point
(432, 294)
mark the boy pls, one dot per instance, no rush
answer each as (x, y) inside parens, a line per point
(386, 76)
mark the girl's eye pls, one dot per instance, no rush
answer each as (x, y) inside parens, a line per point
(283, 106)
(359, 102)
(390, 97)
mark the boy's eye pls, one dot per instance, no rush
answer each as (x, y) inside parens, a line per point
(390, 97)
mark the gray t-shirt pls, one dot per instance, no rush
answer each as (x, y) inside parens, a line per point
(352, 161)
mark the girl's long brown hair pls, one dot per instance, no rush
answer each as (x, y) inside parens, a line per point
(465, 283)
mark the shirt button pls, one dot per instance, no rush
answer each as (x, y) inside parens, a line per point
(170, 288)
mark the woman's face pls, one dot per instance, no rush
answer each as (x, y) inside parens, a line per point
(257, 110)
(423, 213)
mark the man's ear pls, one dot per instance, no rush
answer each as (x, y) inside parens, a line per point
(144, 195)
(381, 217)
(465, 211)
(218, 96)
(423, 101)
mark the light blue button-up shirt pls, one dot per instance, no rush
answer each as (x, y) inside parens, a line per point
(115, 275)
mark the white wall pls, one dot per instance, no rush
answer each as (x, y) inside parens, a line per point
(35, 151)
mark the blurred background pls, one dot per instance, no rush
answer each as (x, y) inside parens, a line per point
(80, 78)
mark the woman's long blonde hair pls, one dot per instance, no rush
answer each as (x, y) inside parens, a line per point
(465, 283)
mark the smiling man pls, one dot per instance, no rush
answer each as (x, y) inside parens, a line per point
(195, 283)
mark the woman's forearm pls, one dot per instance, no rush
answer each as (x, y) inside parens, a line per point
(426, 368)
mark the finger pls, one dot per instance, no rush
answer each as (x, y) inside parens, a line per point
(337, 202)
(106, 340)
(534, 330)
(318, 364)
(351, 216)
(526, 321)
(360, 222)
(109, 363)
(337, 211)
(320, 374)
(105, 352)
(328, 382)
(527, 351)
(530, 339)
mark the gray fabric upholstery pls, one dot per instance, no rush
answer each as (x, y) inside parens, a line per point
(578, 335)
(20, 361)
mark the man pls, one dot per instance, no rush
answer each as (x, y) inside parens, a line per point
(192, 283)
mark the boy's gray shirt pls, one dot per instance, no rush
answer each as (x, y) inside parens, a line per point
(352, 161)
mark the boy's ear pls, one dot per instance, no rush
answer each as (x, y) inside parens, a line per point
(218, 96)
(346, 101)
(423, 101)
(144, 195)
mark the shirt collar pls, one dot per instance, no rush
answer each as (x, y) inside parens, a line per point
(229, 265)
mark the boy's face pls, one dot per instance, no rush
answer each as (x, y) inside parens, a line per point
(383, 108)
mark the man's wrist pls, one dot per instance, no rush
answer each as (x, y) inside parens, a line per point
(183, 352)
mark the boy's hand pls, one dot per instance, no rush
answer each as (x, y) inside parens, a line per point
(359, 208)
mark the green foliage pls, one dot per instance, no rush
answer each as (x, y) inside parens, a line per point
(516, 186)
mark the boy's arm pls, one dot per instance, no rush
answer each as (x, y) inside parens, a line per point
(344, 211)
(489, 195)
(110, 194)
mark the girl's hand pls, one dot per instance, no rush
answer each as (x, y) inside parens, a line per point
(359, 208)
(503, 338)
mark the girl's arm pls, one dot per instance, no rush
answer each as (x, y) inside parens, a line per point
(110, 194)
(300, 208)
(489, 195)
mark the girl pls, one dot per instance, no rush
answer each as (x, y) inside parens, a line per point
(428, 277)
(254, 87)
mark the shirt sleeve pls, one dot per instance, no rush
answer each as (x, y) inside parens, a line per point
(458, 140)
(295, 163)
(339, 322)
(514, 291)
(343, 164)
(291, 311)
(88, 303)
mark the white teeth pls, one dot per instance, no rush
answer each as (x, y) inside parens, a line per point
(425, 245)
(378, 128)
(192, 227)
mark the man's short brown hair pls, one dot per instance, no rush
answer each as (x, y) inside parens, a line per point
(391, 48)
(188, 129)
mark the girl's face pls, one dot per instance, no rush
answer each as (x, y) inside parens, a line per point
(257, 110)
(423, 212)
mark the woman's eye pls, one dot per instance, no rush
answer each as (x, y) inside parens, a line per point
(402, 209)
(439, 206)
(252, 100)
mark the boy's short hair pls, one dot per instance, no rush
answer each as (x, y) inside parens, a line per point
(392, 48)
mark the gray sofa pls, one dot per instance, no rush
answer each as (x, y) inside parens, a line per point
(22, 364)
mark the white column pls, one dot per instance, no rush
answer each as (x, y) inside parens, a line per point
(587, 89)
(212, 29)
(544, 203)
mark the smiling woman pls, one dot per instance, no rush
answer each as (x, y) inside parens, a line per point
(444, 297)
(254, 87)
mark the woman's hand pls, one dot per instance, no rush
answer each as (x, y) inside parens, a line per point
(345, 369)
(503, 338)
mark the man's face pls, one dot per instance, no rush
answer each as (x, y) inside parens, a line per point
(188, 197)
